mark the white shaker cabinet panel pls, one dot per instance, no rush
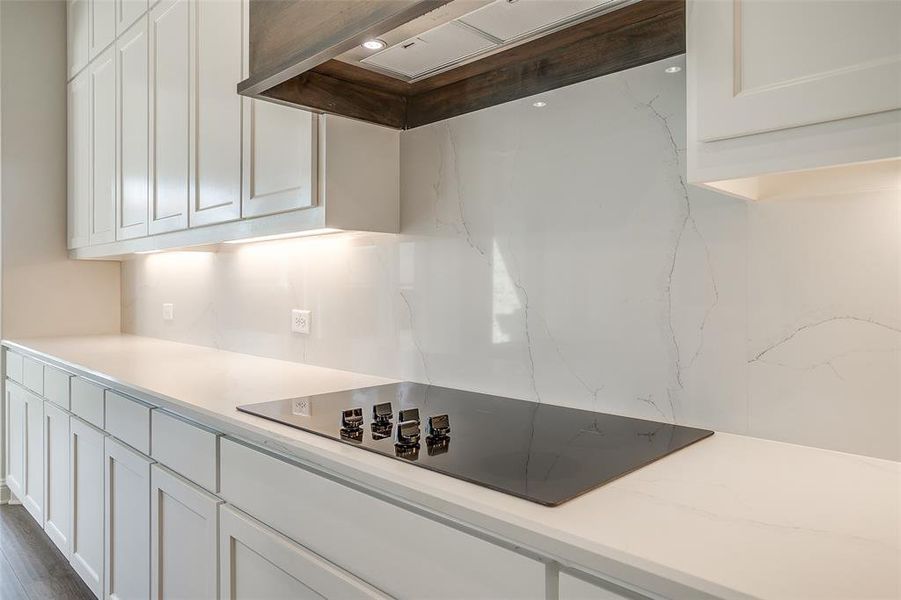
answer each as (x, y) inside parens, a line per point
(33, 495)
(761, 65)
(86, 497)
(57, 510)
(171, 92)
(257, 562)
(103, 148)
(574, 588)
(132, 136)
(127, 522)
(219, 51)
(127, 12)
(280, 159)
(16, 439)
(78, 34)
(103, 25)
(79, 161)
(183, 538)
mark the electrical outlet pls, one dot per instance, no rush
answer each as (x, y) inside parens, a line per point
(301, 407)
(300, 321)
(168, 311)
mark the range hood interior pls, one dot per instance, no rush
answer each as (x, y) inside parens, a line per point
(444, 58)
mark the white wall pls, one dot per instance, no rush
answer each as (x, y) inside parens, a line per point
(41, 291)
(557, 255)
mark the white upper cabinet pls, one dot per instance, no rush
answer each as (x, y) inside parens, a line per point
(78, 31)
(784, 86)
(103, 25)
(171, 91)
(127, 12)
(280, 154)
(79, 161)
(218, 62)
(133, 130)
(103, 148)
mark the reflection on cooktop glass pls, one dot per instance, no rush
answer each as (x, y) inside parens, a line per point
(543, 453)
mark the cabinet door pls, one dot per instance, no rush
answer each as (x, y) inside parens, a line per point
(133, 130)
(171, 138)
(103, 148)
(219, 53)
(257, 562)
(127, 523)
(16, 436)
(103, 25)
(762, 65)
(183, 538)
(79, 161)
(78, 19)
(280, 155)
(33, 494)
(57, 509)
(128, 12)
(86, 494)
(574, 588)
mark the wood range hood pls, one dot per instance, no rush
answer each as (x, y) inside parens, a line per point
(444, 58)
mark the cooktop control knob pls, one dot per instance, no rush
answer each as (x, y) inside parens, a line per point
(408, 414)
(381, 413)
(439, 426)
(352, 419)
(407, 434)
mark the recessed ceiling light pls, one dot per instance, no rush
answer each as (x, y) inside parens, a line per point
(539, 104)
(672, 69)
(374, 44)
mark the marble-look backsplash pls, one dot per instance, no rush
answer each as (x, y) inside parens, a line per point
(556, 254)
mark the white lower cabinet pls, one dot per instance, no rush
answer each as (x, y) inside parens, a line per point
(33, 495)
(575, 588)
(86, 493)
(183, 538)
(16, 437)
(256, 562)
(57, 510)
(127, 522)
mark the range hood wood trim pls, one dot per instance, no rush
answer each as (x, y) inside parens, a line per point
(630, 36)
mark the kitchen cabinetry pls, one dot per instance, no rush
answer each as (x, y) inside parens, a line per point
(218, 60)
(127, 522)
(257, 562)
(86, 497)
(79, 160)
(128, 12)
(170, 115)
(770, 90)
(33, 495)
(56, 476)
(132, 134)
(575, 588)
(183, 538)
(103, 148)
(16, 439)
(102, 25)
(78, 31)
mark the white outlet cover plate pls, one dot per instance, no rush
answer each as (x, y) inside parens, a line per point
(300, 321)
(168, 311)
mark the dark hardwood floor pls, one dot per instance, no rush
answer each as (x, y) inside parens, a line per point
(31, 567)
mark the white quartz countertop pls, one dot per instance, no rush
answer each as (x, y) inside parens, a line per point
(730, 516)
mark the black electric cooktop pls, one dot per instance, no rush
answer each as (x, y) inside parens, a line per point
(543, 453)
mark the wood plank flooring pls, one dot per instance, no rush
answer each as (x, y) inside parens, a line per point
(31, 567)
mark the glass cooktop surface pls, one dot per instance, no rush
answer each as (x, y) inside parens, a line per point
(539, 452)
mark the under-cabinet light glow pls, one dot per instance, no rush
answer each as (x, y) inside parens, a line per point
(539, 104)
(673, 69)
(284, 236)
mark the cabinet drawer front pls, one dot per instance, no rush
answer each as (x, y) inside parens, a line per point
(87, 401)
(14, 366)
(187, 449)
(128, 420)
(255, 561)
(352, 529)
(33, 375)
(56, 386)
